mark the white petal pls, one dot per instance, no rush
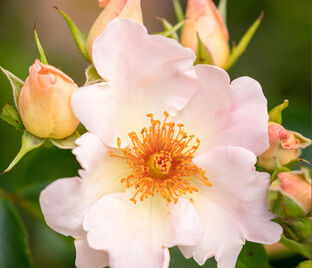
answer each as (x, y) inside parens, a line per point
(146, 74)
(233, 208)
(61, 206)
(222, 114)
(87, 257)
(142, 232)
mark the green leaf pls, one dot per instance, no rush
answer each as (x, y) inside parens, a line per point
(301, 248)
(67, 143)
(179, 261)
(14, 246)
(237, 51)
(16, 84)
(203, 56)
(252, 255)
(11, 116)
(178, 10)
(172, 30)
(43, 58)
(92, 76)
(222, 10)
(167, 27)
(305, 264)
(275, 115)
(29, 143)
(79, 36)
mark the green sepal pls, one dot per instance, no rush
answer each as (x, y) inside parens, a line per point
(79, 36)
(14, 244)
(222, 10)
(305, 249)
(167, 27)
(43, 58)
(238, 50)
(279, 168)
(305, 264)
(67, 143)
(203, 56)
(172, 30)
(275, 115)
(16, 84)
(178, 10)
(29, 143)
(298, 229)
(92, 76)
(282, 204)
(11, 116)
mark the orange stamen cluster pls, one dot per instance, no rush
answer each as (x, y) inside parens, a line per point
(161, 161)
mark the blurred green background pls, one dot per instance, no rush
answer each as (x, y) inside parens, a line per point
(278, 57)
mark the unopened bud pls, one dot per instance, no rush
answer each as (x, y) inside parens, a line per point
(285, 146)
(204, 19)
(44, 102)
(130, 9)
(289, 195)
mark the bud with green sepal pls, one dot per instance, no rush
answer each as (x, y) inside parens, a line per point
(289, 196)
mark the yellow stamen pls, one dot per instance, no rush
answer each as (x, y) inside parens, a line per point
(161, 161)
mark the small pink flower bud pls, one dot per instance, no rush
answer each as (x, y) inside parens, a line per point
(113, 8)
(296, 186)
(203, 17)
(285, 146)
(44, 102)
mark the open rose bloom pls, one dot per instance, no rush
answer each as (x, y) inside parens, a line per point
(168, 160)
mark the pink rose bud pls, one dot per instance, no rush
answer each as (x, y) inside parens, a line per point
(113, 8)
(295, 185)
(289, 196)
(285, 146)
(203, 17)
(44, 102)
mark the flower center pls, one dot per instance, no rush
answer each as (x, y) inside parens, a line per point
(159, 164)
(161, 161)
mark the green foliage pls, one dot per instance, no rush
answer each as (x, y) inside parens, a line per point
(222, 9)
(305, 249)
(178, 10)
(305, 264)
(298, 229)
(203, 56)
(11, 116)
(167, 27)
(275, 115)
(43, 58)
(14, 247)
(171, 31)
(67, 143)
(79, 36)
(238, 50)
(29, 143)
(252, 255)
(16, 84)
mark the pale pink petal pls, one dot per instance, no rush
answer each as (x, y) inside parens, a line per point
(237, 201)
(102, 172)
(87, 257)
(145, 74)
(222, 114)
(61, 206)
(142, 232)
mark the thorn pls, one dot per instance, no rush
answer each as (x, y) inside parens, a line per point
(56, 8)
(3, 172)
(35, 26)
(261, 16)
